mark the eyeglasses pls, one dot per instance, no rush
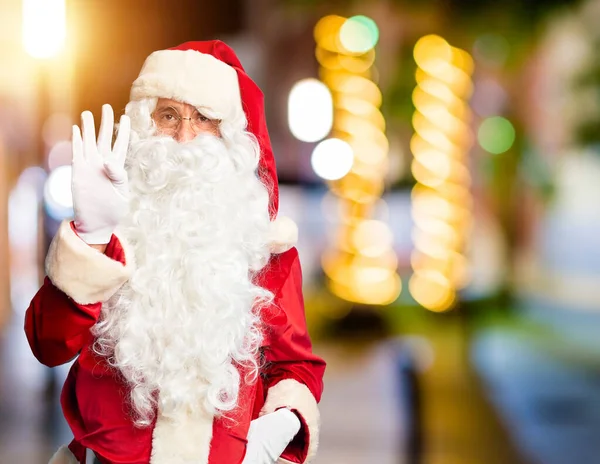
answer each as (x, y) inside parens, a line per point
(168, 121)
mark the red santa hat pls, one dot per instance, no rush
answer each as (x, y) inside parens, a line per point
(209, 75)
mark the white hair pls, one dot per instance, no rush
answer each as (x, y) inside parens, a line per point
(187, 322)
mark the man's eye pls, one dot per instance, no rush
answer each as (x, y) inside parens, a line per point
(198, 117)
(168, 117)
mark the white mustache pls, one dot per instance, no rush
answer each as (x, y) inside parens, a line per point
(158, 163)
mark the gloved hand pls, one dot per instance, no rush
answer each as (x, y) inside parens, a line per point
(99, 181)
(269, 435)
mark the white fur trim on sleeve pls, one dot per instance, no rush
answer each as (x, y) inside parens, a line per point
(82, 272)
(292, 394)
(63, 456)
(283, 235)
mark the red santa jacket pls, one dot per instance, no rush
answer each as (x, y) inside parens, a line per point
(95, 399)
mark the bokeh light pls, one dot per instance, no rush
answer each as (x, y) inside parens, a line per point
(496, 135)
(432, 54)
(57, 193)
(489, 98)
(441, 200)
(332, 159)
(360, 262)
(359, 34)
(326, 33)
(372, 238)
(432, 290)
(310, 110)
(44, 27)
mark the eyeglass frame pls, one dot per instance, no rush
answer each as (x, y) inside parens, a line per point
(180, 118)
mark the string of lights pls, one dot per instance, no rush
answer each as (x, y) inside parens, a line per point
(360, 262)
(441, 199)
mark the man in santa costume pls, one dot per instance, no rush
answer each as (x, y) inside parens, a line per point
(176, 284)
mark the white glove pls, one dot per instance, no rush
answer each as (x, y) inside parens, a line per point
(99, 182)
(269, 436)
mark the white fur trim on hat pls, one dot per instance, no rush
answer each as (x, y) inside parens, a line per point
(191, 77)
(82, 272)
(63, 456)
(283, 234)
(292, 394)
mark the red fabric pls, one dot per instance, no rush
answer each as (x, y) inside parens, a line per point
(58, 329)
(288, 349)
(287, 355)
(95, 400)
(56, 326)
(254, 108)
(228, 442)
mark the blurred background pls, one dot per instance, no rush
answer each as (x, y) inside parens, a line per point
(442, 160)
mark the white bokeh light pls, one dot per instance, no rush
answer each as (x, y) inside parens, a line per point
(332, 159)
(57, 191)
(44, 27)
(310, 110)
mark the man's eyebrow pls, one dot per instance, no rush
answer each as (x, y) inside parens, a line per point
(162, 108)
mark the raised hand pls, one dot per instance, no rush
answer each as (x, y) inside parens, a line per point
(99, 182)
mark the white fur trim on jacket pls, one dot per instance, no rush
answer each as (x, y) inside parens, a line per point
(283, 235)
(292, 394)
(186, 441)
(63, 456)
(82, 272)
(191, 77)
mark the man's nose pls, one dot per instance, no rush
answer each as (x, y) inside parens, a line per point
(184, 132)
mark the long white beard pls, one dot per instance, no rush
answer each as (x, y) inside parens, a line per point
(189, 314)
